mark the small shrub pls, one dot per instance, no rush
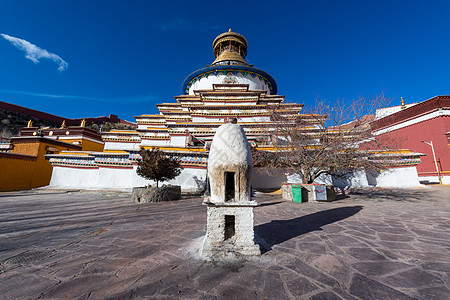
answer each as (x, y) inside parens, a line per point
(156, 165)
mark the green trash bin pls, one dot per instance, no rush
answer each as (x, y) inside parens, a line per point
(297, 193)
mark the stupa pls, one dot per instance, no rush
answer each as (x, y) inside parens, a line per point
(230, 207)
(228, 88)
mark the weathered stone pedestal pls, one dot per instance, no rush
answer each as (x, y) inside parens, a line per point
(230, 231)
(230, 207)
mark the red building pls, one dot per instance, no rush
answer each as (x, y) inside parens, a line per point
(417, 126)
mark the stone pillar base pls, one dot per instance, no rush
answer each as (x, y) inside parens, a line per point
(230, 232)
(229, 250)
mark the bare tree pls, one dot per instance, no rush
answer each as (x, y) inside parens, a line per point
(328, 139)
(156, 165)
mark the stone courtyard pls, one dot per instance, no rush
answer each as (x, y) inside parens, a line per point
(372, 244)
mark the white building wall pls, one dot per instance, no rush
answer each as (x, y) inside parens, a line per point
(190, 179)
(355, 179)
(178, 140)
(263, 181)
(114, 178)
(391, 178)
(386, 111)
(434, 179)
(121, 146)
(74, 178)
(198, 119)
(398, 177)
(157, 143)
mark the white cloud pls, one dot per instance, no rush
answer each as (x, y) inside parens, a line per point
(34, 53)
(131, 99)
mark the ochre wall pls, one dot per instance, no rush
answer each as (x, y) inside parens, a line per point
(19, 173)
(91, 146)
(26, 148)
(86, 145)
(16, 173)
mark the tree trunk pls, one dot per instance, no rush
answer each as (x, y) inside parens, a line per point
(305, 179)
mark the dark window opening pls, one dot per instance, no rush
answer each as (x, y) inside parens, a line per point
(229, 227)
(229, 186)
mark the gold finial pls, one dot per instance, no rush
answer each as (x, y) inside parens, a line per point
(229, 30)
(83, 123)
(403, 103)
(63, 125)
(30, 124)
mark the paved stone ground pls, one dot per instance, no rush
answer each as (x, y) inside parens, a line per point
(387, 244)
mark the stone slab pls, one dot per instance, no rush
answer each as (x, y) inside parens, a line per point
(382, 244)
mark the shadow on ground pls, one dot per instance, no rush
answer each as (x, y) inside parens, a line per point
(279, 231)
(270, 203)
(404, 195)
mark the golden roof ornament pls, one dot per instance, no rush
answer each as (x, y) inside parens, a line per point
(63, 125)
(83, 123)
(30, 124)
(402, 103)
(230, 42)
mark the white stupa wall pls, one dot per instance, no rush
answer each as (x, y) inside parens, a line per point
(190, 179)
(205, 83)
(74, 178)
(390, 178)
(356, 179)
(239, 119)
(268, 180)
(398, 177)
(429, 179)
(121, 146)
(178, 140)
(156, 143)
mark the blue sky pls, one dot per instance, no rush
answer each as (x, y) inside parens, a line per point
(122, 57)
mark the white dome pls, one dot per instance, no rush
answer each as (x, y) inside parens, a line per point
(206, 83)
(229, 146)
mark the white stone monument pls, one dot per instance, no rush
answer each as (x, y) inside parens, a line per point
(230, 207)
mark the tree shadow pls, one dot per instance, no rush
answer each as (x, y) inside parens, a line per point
(341, 197)
(392, 194)
(269, 203)
(278, 231)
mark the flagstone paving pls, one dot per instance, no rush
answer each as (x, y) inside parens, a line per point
(378, 244)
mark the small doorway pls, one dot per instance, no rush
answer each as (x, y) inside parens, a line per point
(229, 186)
(229, 227)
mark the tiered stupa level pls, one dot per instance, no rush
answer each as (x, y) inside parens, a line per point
(228, 88)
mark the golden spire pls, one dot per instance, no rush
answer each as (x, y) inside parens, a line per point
(63, 125)
(83, 123)
(403, 103)
(30, 124)
(229, 30)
